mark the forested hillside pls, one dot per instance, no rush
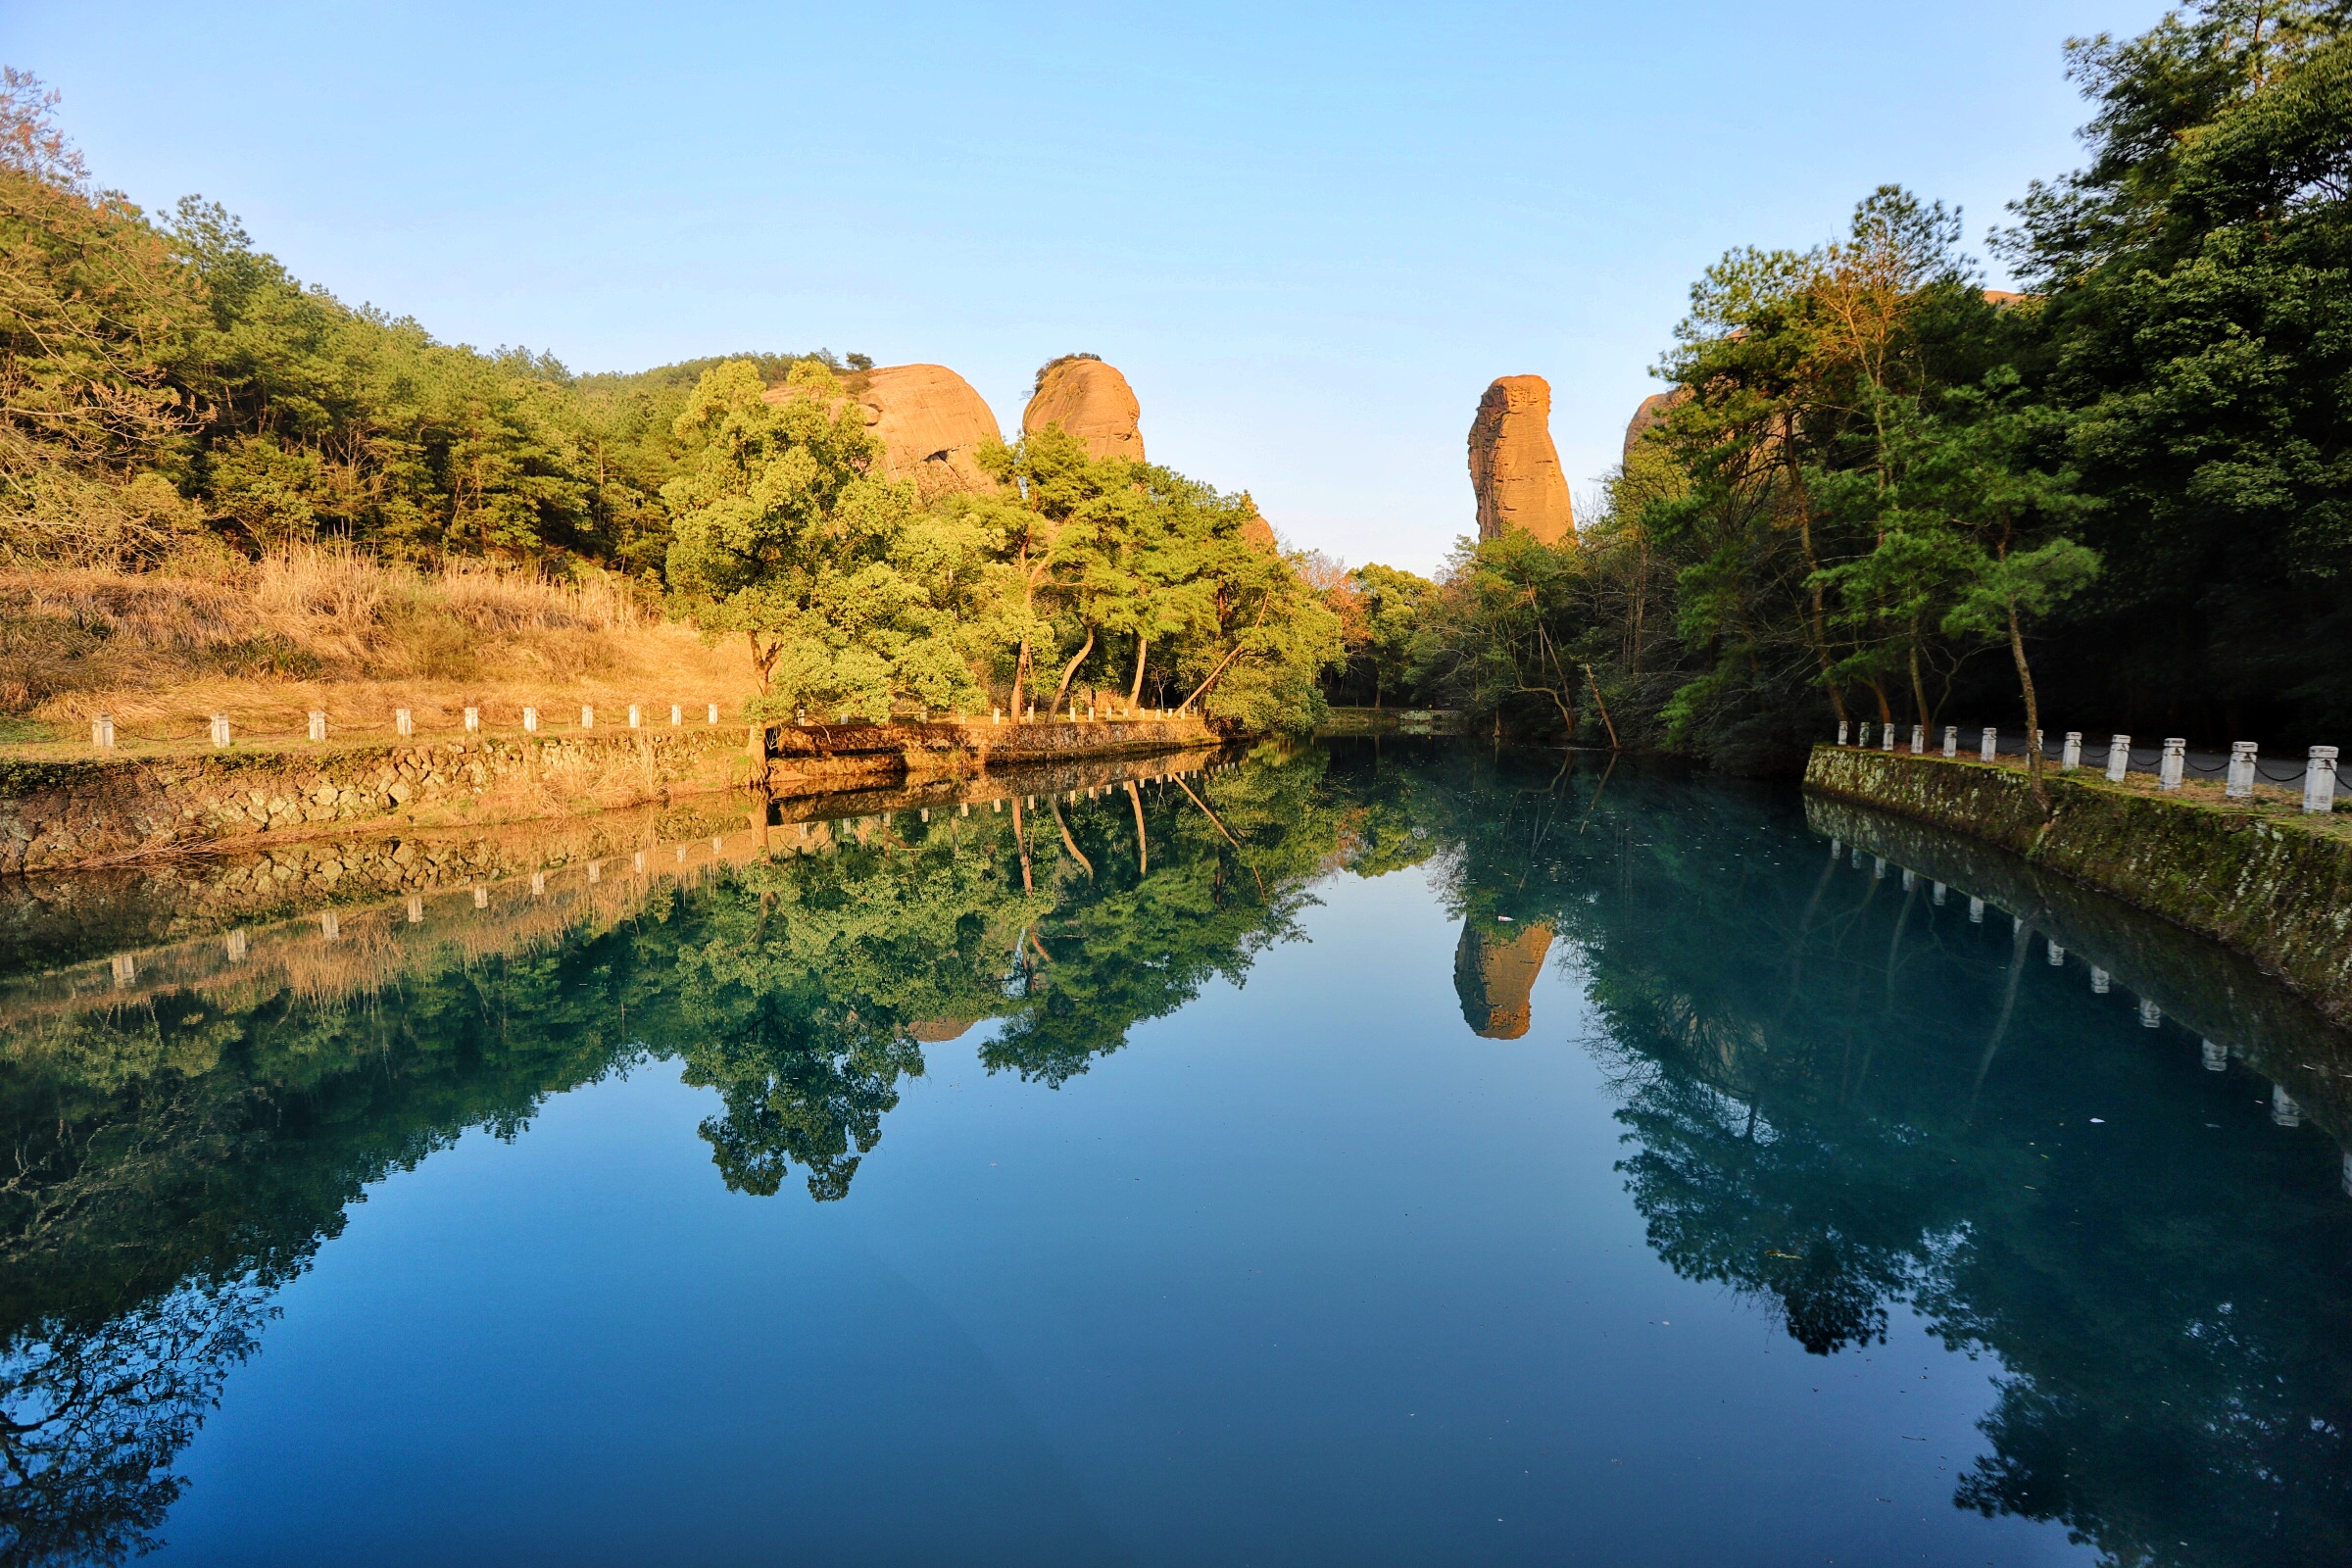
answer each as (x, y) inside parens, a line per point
(2120, 498)
(173, 399)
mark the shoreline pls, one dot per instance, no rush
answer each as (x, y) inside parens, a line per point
(2257, 876)
(70, 813)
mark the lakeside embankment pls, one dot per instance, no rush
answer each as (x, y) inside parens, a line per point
(260, 905)
(57, 814)
(2254, 875)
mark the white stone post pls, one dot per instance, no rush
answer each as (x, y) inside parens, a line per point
(596, 871)
(1842, 726)
(2118, 758)
(677, 716)
(236, 946)
(2215, 1056)
(587, 717)
(713, 712)
(318, 725)
(473, 721)
(2318, 779)
(1951, 740)
(1990, 746)
(2285, 1112)
(402, 724)
(1936, 893)
(1976, 912)
(102, 732)
(329, 927)
(2100, 981)
(995, 716)
(2241, 772)
(2057, 956)
(636, 716)
(220, 729)
(530, 720)
(416, 909)
(125, 968)
(2069, 757)
(481, 898)
(1888, 743)
(1919, 739)
(2176, 754)
(2151, 1016)
(538, 884)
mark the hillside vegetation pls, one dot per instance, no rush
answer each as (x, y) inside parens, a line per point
(2120, 500)
(223, 490)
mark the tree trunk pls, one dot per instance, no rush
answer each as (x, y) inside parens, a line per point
(1070, 670)
(1143, 842)
(2024, 680)
(1135, 692)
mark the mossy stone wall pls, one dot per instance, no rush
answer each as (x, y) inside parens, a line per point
(2273, 884)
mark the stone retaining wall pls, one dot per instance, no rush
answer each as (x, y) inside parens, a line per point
(2257, 877)
(57, 815)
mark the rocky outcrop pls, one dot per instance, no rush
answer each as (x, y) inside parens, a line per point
(1652, 414)
(1258, 534)
(1514, 468)
(931, 423)
(1090, 401)
(1494, 970)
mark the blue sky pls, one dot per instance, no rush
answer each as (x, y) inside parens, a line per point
(1309, 235)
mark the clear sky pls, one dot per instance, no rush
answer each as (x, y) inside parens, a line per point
(1309, 235)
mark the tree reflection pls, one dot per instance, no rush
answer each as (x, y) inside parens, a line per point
(1843, 1100)
(1848, 1102)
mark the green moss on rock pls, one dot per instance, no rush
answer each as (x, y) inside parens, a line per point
(2275, 886)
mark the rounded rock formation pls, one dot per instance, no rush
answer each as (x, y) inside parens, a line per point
(1090, 401)
(1652, 414)
(1514, 468)
(931, 423)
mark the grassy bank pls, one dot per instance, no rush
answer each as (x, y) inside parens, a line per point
(268, 643)
(2257, 875)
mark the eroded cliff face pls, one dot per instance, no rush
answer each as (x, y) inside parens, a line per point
(931, 423)
(1494, 970)
(1514, 468)
(1092, 401)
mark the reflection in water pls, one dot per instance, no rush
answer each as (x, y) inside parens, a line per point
(1866, 1071)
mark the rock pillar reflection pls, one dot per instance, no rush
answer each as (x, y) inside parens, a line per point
(1494, 968)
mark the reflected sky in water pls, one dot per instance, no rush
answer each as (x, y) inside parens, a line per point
(1362, 1154)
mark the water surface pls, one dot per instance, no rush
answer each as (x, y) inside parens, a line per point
(1365, 1155)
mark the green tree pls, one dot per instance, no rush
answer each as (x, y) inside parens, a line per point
(785, 537)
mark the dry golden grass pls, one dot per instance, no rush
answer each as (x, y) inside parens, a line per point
(266, 643)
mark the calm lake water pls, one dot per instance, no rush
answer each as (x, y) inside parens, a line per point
(1365, 1155)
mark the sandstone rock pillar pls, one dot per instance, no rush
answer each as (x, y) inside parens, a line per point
(1494, 970)
(1514, 468)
